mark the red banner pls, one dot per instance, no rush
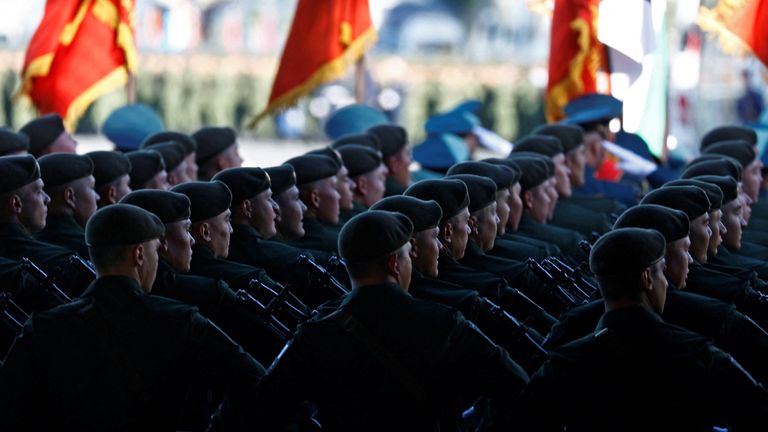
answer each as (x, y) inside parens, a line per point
(740, 24)
(326, 37)
(81, 50)
(575, 54)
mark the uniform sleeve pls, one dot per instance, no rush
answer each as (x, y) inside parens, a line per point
(20, 388)
(283, 388)
(741, 337)
(536, 410)
(485, 369)
(736, 397)
(226, 367)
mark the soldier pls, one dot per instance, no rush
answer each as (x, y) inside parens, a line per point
(353, 119)
(344, 185)
(211, 230)
(147, 170)
(13, 143)
(130, 124)
(48, 135)
(453, 197)
(634, 357)
(317, 183)
(568, 212)
(291, 208)
(253, 224)
(175, 161)
(437, 153)
(215, 300)
(117, 356)
(69, 183)
(537, 203)
(728, 132)
(367, 171)
(111, 170)
(23, 211)
(746, 155)
(189, 144)
(364, 139)
(384, 360)
(397, 157)
(217, 149)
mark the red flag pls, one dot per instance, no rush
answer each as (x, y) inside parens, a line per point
(81, 50)
(740, 24)
(326, 38)
(575, 54)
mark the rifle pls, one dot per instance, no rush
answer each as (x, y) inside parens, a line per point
(563, 274)
(563, 298)
(520, 339)
(323, 277)
(12, 315)
(575, 275)
(278, 307)
(46, 281)
(83, 266)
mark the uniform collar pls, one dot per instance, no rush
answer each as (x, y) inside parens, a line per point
(628, 317)
(245, 230)
(113, 284)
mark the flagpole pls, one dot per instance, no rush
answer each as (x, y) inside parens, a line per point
(130, 88)
(360, 80)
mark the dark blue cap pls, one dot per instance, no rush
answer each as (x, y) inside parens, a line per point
(592, 107)
(456, 122)
(441, 151)
(353, 119)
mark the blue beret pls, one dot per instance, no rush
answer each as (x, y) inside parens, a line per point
(456, 122)
(441, 151)
(353, 119)
(128, 126)
(591, 108)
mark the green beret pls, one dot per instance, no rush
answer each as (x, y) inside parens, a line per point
(373, 234)
(58, 169)
(392, 138)
(207, 198)
(727, 133)
(482, 190)
(172, 152)
(311, 168)
(145, 164)
(740, 150)
(534, 171)
(109, 166)
(570, 136)
(189, 143)
(713, 164)
(42, 132)
(546, 145)
(672, 224)
(359, 159)
(728, 186)
(451, 195)
(330, 152)
(501, 175)
(212, 141)
(282, 178)
(12, 141)
(17, 171)
(713, 192)
(364, 139)
(690, 199)
(509, 163)
(122, 225)
(169, 206)
(626, 251)
(244, 183)
(423, 214)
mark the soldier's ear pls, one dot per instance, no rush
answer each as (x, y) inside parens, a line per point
(246, 208)
(14, 204)
(69, 197)
(414, 253)
(361, 185)
(314, 198)
(472, 223)
(393, 265)
(111, 195)
(647, 279)
(527, 199)
(204, 229)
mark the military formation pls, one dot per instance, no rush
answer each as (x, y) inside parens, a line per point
(170, 288)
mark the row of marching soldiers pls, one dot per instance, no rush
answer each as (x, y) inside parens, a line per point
(299, 297)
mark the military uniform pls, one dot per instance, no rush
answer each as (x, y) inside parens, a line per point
(725, 257)
(578, 218)
(316, 237)
(515, 273)
(118, 359)
(392, 187)
(449, 363)
(63, 230)
(567, 240)
(236, 275)
(729, 329)
(634, 358)
(279, 260)
(518, 251)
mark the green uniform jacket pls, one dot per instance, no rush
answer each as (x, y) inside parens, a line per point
(567, 240)
(63, 230)
(316, 237)
(638, 373)
(445, 356)
(585, 221)
(118, 359)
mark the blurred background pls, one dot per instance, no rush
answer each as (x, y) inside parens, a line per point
(212, 62)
